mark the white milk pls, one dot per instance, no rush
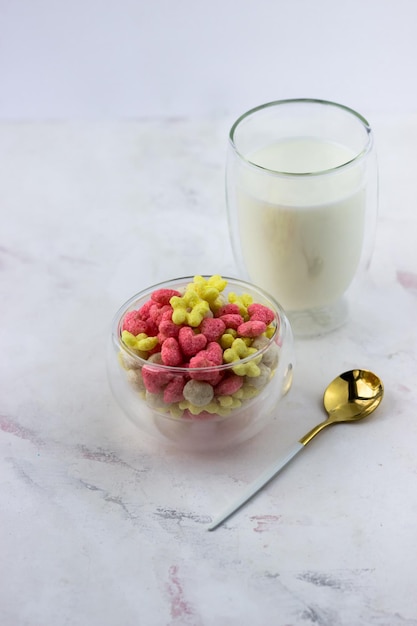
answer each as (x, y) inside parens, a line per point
(301, 236)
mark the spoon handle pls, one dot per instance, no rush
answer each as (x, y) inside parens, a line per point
(257, 485)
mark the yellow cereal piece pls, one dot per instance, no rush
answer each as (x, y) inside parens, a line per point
(179, 313)
(229, 402)
(270, 331)
(189, 308)
(133, 342)
(242, 302)
(198, 313)
(247, 369)
(223, 411)
(225, 401)
(249, 392)
(210, 285)
(227, 339)
(214, 408)
(129, 339)
(238, 352)
(201, 298)
(211, 408)
(209, 290)
(175, 410)
(196, 410)
(146, 343)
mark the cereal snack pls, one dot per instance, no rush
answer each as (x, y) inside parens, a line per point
(202, 351)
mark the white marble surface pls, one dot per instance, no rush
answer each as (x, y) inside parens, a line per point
(99, 527)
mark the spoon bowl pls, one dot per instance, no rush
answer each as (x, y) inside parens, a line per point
(349, 398)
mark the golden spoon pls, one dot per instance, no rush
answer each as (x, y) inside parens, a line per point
(349, 398)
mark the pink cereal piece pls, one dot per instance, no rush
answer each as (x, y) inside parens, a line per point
(163, 296)
(211, 375)
(167, 313)
(167, 328)
(215, 353)
(229, 385)
(261, 312)
(159, 312)
(144, 310)
(133, 323)
(253, 328)
(228, 309)
(212, 328)
(155, 379)
(171, 353)
(173, 390)
(191, 343)
(232, 320)
(151, 328)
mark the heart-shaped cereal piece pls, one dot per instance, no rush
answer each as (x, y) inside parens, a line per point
(212, 328)
(171, 353)
(191, 343)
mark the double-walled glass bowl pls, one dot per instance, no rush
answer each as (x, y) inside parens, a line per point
(224, 418)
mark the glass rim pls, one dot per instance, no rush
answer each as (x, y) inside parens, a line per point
(280, 328)
(274, 103)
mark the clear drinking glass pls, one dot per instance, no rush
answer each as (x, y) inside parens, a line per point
(302, 195)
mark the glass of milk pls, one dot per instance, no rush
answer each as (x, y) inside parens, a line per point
(302, 202)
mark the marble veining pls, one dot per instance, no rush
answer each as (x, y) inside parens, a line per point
(102, 526)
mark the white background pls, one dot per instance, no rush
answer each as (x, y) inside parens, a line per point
(129, 58)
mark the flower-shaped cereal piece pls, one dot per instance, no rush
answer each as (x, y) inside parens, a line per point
(229, 402)
(247, 392)
(209, 289)
(242, 302)
(145, 343)
(239, 351)
(189, 309)
(141, 342)
(264, 376)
